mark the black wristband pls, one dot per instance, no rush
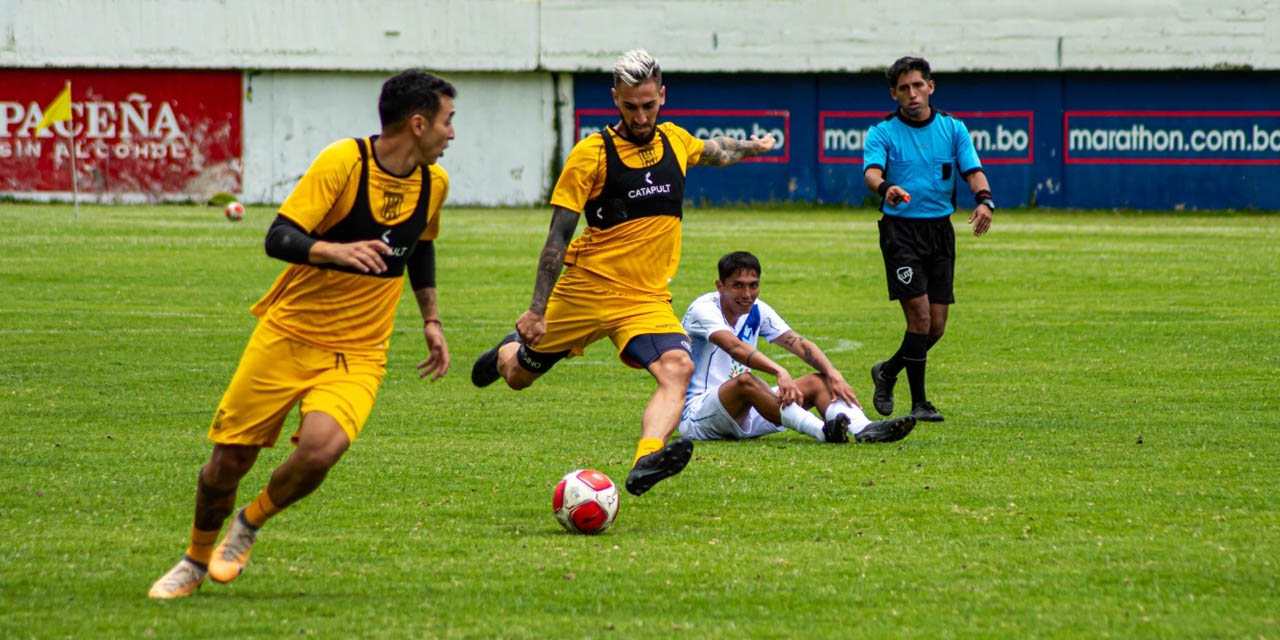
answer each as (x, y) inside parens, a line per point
(884, 188)
(981, 195)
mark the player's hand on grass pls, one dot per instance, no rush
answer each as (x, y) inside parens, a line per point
(437, 361)
(532, 326)
(896, 195)
(980, 219)
(362, 255)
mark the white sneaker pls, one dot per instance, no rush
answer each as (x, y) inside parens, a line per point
(233, 553)
(181, 581)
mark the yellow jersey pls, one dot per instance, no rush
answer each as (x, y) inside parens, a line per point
(638, 256)
(340, 191)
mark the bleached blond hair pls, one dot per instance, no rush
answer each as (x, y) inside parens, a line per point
(636, 67)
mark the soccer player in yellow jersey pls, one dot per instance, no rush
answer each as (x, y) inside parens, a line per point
(366, 211)
(628, 183)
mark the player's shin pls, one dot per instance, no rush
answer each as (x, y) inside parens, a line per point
(796, 418)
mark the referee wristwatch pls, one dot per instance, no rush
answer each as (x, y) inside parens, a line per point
(991, 204)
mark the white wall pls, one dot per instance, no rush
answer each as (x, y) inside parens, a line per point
(835, 35)
(478, 35)
(687, 35)
(501, 156)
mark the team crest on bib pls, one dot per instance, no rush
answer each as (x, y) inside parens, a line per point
(391, 202)
(904, 275)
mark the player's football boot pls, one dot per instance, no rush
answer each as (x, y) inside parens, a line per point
(891, 430)
(836, 430)
(233, 552)
(882, 399)
(924, 412)
(485, 371)
(659, 465)
(180, 581)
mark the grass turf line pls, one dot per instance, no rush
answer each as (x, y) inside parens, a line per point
(1107, 466)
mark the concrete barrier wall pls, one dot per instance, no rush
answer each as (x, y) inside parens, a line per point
(504, 125)
(312, 67)
(690, 35)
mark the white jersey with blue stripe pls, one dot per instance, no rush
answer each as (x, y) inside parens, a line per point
(925, 158)
(712, 365)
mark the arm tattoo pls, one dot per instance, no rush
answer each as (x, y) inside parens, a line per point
(563, 222)
(797, 344)
(809, 356)
(788, 340)
(722, 152)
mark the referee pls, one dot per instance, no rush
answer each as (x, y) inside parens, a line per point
(912, 159)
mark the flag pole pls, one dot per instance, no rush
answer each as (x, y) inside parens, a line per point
(71, 144)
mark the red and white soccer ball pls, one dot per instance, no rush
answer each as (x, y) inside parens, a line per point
(585, 501)
(234, 211)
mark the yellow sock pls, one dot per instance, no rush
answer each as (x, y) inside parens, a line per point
(260, 509)
(646, 447)
(201, 548)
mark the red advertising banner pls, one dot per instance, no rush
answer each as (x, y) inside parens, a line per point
(159, 134)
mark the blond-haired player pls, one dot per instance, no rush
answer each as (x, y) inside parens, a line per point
(366, 211)
(628, 183)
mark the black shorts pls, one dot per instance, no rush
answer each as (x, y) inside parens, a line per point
(919, 257)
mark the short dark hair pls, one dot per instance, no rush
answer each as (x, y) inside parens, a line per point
(412, 91)
(737, 261)
(905, 64)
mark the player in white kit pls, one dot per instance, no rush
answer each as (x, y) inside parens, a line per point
(726, 402)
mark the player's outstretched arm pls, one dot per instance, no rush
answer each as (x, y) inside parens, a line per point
(532, 324)
(814, 357)
(722, 151)
(788, 392)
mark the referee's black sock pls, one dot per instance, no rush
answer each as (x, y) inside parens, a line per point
(915, 347)
(911, 342)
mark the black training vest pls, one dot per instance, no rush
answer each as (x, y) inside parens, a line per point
(359, 224)
(657, 190)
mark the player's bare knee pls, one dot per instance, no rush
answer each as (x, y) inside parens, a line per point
(517, 378)
(320, 458)
(227, 464)
(676, 364)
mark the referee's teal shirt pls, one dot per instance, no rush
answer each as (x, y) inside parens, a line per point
(925, 158)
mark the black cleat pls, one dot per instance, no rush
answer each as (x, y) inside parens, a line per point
(836, 430)
(882, 399)
(485, 371)
(659, 465)
(924, 412)
(891, 430)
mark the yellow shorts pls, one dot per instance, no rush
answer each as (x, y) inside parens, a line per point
(582, 310)
(277, 372)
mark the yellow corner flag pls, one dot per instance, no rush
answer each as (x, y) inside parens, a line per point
(58, 111)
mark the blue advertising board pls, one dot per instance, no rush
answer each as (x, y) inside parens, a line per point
(1156, 140)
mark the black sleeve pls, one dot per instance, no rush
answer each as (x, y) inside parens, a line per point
(422, 265)
(287, 241)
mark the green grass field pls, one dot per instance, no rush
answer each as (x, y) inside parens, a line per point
(1108, 467)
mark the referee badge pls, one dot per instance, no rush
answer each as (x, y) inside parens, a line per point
(904, 275)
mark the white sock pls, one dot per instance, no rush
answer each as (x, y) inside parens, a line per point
(857, 419)
(796, 418)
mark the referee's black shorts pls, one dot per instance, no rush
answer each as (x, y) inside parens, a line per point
(919, 257)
